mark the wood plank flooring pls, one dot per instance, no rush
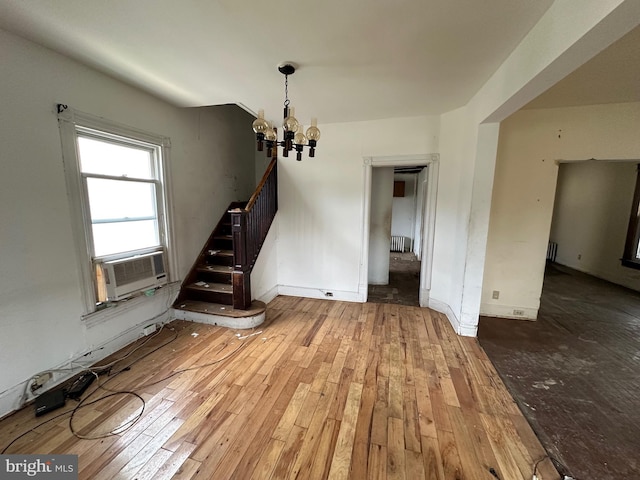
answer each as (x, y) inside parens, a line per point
(576, 372)
(325, 390)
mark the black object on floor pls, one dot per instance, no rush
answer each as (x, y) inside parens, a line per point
(80, 385)
(49, 401)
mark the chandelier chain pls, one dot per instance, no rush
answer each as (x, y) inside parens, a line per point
(286, 91)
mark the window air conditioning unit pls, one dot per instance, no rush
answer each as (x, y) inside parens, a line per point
(129, 275)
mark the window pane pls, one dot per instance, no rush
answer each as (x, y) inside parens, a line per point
(120, 199)
(109, 238)
(105, 158)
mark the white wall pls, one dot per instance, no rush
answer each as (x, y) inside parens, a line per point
(403, 219)
(452, 215)
(320, 245)
(421, 196)
(380, 225)
(40, 301)
(524, 189)
(264, 276)
(590, 218)
(560, 42)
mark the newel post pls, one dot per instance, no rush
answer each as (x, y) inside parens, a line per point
(241, 275)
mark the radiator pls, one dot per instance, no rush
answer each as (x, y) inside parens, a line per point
(397, 243)
(552, 251)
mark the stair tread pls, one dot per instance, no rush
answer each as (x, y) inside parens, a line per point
(212, 287)
(256, 308)
(215, 268)
(220, 253)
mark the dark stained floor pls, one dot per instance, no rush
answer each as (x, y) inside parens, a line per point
(404, 282)
(575, 373)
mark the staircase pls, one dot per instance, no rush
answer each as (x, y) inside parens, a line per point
(217, 289)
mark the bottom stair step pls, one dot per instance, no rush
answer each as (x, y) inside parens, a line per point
(222, 315)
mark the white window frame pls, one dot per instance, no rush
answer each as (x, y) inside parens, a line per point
(72, 123)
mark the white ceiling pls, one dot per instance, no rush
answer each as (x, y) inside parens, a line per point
(359, 59)
(612, 76)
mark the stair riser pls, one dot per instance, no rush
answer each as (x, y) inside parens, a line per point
(222, 244)
(213, 297)
(220, 260)
(214, 277)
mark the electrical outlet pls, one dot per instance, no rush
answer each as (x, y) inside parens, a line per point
(328, 294)
(495, 295)
(149, 329)
(579, 256)
(39, 380)
(518, 312)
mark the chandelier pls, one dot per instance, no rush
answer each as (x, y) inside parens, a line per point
(294, 136)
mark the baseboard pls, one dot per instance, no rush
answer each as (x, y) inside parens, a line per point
(269, 295)
(508, 311)
(320, 293)
(424, 295)
(10, 398)
(363, 291)
(444, 308)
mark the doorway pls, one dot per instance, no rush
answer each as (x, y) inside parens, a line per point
(410, 269)
(399, 282)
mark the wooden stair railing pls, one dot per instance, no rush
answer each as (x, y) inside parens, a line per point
(249, 228)
(221, 273)
(209, 280)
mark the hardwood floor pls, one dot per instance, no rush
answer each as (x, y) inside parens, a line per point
(322, 390)
(576, 372)
(404, 281)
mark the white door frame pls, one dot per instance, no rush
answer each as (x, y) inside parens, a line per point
(431, 161)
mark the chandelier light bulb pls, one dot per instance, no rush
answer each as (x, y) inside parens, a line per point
(270, 134)
(260, 125)
(313, 132)
(290, 124)
(300, 138)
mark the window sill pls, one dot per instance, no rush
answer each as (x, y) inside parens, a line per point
(630, 263)
(164, 294)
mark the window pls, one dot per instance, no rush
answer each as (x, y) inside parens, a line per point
(631, 255)
(118, 195)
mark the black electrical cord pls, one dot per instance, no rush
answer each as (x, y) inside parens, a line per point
(33, 429)
(535, 466)
(107, 369)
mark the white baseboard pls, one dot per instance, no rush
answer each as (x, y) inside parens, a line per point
(363, 291)
(269, 295)
(508, 311)
(458, 326)
(443, 307)
(10, 398)
(424, 295)
(240, 323)
(320, 293)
